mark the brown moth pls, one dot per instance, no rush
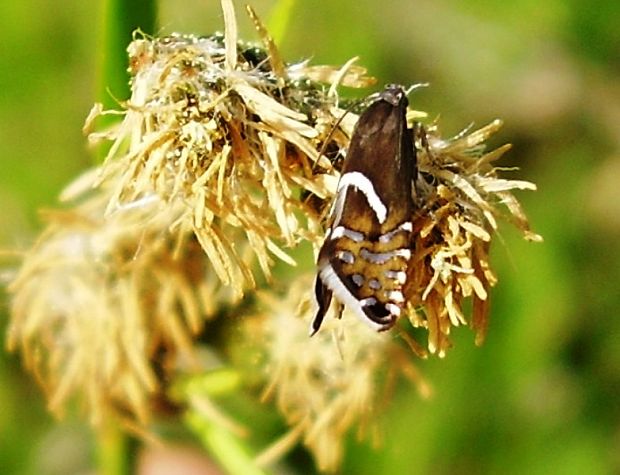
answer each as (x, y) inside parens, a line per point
(364, 258)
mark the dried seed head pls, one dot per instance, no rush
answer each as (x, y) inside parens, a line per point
(97, 298)
(326, 385)
(459, 195)
(208, 177)
(230, 145)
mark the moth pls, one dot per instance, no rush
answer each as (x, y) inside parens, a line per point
(364, 257)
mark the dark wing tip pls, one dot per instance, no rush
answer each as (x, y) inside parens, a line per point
(323, 297)
(379, 314)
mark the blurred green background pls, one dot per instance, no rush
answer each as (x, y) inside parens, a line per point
(543, 394)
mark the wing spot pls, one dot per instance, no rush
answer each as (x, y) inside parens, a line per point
(374, 284)
(398, 276)
(396, 296)
(393, 309)
(341, 231)
(346, 257)
(367, 302)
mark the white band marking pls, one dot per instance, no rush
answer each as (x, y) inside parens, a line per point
(396, 296)
(333, 282)
(368, 301)
(393, 309)
(387, 237)
(346, 257)
(341, 231)
(398, 276)
(383, 257)
(363, 184)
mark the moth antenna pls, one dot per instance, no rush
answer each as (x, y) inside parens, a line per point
(413, 87)
(332, 130)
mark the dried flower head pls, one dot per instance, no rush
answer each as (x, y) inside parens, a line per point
(98, 298)
(217, 149)
(459, 197)
(329, 384)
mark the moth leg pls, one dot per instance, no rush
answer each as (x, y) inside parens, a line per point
(339, 310)
(323, 298)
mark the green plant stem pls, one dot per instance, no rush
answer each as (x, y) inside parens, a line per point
(279, 19)
(231, 453)
(119, 19)
(112, 450)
